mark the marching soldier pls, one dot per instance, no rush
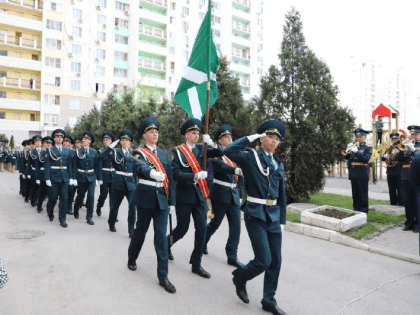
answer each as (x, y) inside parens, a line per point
(358, 158)
(393, 174)
(154, 198)
(85, 170)
(192, 190)
(124, 182)
(68, 143)
(40, 172)
(20, 167)
(225, 197)
(264, 210)
(77, 142)
(105, 166)
(58, 175)
(26, 170)
(14, 160)
(31, 168)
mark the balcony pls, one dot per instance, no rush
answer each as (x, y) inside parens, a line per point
(20, 84)
(241, 27)
(243, 3)
(18, 104)
(242, 54)
(237, 67)
(156, 3)
(20, 125)
(149, 81)
(145, 13)
(20, 63)
(152, 32)
(152, 49)
(15, 20)
(152, 65)
(21, 43)
(31, 5)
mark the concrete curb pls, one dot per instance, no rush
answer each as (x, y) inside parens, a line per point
(341, 239)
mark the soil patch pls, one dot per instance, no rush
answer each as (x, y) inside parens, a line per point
(333, 213)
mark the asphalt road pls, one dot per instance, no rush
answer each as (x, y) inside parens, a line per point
(82, 270)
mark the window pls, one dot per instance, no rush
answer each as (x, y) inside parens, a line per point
(53, 43)
(77, 14)
(260, 22)
(101, 19)
(172, 66)
(4, 32)
(53, 6)
(201, 15)
(185, 40)
(260, 59)
(74, 103)
(52, 99)
(2, 114)
(217, 47)
(259, 71)
(202, 2)
(172, 95)
(76, 67)
(57, 81)
(118, 72)
(172, 20)
(4, 12)
(49, 80)
(215, 5)
(121, 6)
(53, 62)
(73, 121)
(33, 117)
(101, 36)
(185, 25)
(54, 25)
(3, 74)
(121, 39)
(260, 47)
(215, 19)
(2, 94)
(119, 55)
(76, 49)
(100, 53)
(3, 52)
(102, 3)
(185, 11)
(121, 23)
(52, 119)
(100, 88)
(100, 71)
(75, 85)
(172, 50)
(185, 54)
(216, 33)
(77, 31)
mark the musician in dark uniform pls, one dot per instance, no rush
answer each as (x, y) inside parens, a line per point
(85, 172)
(225, 196)
(154, 198)
(31, 168)
(124, 182)
(68, 143)
(105, 166)
(358, 158)
(264, 211)
(415, 173)
(40, 172)
(192, 190)
(393, 174)
(58, 165)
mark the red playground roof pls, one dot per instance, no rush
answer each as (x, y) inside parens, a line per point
(381, 110)
(402, 131)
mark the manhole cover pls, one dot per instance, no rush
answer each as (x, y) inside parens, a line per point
(25, 234)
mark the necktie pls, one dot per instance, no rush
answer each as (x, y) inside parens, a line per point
(154, 151)
(272, 164)
(59, 148)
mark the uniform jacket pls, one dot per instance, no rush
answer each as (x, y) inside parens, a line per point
(226, 173)
(2, 157)
(105, 162)
(406, 157)
(31, 164)
(40, 166)
(25, 161)
(121, 163)
(85, 162)
(147, 196)
(186, 191)
(361, 156)
(257, 184)
(53, 157)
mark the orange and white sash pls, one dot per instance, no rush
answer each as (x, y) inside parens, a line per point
(159, 167)
(195, 166)
(230, 163)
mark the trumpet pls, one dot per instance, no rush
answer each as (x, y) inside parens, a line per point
(349, 148)
(406, 143)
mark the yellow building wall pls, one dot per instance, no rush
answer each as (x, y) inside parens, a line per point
(20, 53)
(23, 115)
(26, 35)
(22, 12)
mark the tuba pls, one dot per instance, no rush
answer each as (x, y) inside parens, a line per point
(391, 162)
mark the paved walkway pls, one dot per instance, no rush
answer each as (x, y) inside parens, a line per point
(394, 240)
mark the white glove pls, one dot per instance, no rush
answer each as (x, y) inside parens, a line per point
(48, 182)
(207, 139)
(349, 145)
(386, 155)
(395, 151)
(282, 227)
(411, 147)
(96, 183)
(256, 136)
(238, 171)
(29, 176)
(74, 182)
(23, 176)
(100, 182)
(354, 150)
(157, 176)
(202, 175)
(38, 182)
(113, 144)
(171, 210)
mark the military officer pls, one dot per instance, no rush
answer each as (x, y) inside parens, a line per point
(27, 173)
(358, 171)
(85, 172)
(20, 167)
(58, 175)
(105, 166)
(77, 142)
(225, 196)
(264, 211)
(124, 182)
(68, 143)
(40, 172)
(2, 158)
(31, 168)
(192, 189)
(415, 173)
(14, 160)
(154, 197)
(393, 174)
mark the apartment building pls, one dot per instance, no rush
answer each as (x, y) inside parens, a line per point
(59, 58)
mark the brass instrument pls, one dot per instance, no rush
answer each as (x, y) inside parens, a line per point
(391, 162)
(348, 150)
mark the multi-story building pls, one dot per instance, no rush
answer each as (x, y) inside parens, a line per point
(370, 85)
(59, 58)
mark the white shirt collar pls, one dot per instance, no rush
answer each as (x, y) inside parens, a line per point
(190, 146)
(151, 148)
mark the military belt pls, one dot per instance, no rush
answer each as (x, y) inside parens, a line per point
(358, 164)
(150, 183)
(406, 165)
(108, 169)
(219, 182)
(266, 202)
(85, 171)
(123, 173)
(61, 167)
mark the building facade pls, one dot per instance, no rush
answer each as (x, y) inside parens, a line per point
(59, 58)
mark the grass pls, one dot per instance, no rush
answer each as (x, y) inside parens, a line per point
(364, 231)
(340, 201)
(293, 217)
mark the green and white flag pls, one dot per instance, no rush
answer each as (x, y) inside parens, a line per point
(202, 67)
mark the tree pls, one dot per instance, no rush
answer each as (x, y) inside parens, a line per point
(300, 92)
(12, 142)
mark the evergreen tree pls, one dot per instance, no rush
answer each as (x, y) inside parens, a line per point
(300, 92)
(12, 142)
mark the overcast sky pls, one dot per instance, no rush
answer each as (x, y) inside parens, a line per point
(384, 31)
